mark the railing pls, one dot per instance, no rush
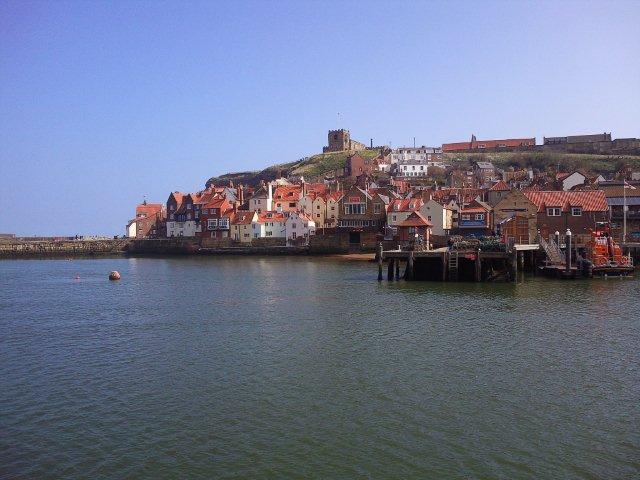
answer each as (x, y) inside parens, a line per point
(552, 250)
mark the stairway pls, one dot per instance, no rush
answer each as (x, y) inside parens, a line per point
(552, 250)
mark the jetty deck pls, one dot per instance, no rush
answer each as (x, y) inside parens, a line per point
(447, 264)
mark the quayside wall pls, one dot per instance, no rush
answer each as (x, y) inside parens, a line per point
(17, 248)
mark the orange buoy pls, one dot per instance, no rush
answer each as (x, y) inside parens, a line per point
(114, 275)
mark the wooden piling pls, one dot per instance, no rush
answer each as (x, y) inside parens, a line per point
(397, 264)
(380, 262)
(444, 266)
(408, 273)
(392, 261)
(478, 269)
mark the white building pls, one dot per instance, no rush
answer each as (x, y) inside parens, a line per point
(412, 168)
(439, 215)
(428, 154)
(262, 199)
(299, 225)
(269, 224)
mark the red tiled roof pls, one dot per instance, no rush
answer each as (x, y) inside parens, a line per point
(148, 209)
(242, 217)
(287, 192)
(275, 216)
(415, 220)
(402, 204)
(588, 200)
(473, 210)
(501, 186)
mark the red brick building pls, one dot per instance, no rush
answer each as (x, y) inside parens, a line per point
(488, 144)
(575, 210)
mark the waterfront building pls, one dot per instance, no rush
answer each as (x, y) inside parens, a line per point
(298, 228)
(515, 216)
(440, 216)
(399, 210)
(149, 222)
(269, 225)
(475, 219)
(241, 225)
(215, 218)
(181, 221)
(360, 211)
(575, 210)
(415, 228)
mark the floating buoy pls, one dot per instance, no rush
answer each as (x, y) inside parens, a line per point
(77, 277)
(114, 275)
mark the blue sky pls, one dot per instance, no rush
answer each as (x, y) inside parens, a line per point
(102, 103)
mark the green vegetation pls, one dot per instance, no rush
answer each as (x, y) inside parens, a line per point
(326, 163)
(603, 164)
(323, 163)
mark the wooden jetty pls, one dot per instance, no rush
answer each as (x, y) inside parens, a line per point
(445, 264)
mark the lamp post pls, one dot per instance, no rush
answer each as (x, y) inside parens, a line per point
(568, 250)
(557, 234)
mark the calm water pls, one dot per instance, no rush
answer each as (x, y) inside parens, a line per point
(309, 368)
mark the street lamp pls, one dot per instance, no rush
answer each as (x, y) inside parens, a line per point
(568, 250)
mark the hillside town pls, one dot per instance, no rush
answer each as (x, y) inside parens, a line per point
(399, 194)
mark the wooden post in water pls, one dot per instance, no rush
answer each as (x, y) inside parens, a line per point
(444, 266)
(380, 262)
(392, 261)
(397, 264)
(514, 265)
(408, 273)
(478, 265)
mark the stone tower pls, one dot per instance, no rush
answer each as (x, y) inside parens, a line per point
(338, 141)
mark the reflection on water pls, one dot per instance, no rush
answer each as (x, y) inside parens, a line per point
(302, 367)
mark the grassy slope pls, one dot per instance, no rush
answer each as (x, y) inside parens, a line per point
(604, 164)
(327, 162)
(323, 163)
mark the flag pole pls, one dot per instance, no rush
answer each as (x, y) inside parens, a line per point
(624, 211)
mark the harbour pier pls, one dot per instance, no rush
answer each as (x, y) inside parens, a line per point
(446, 264)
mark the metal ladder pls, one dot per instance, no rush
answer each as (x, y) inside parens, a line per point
(453, 265)
(552, 250)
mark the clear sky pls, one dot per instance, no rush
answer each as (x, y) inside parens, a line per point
(104, 102)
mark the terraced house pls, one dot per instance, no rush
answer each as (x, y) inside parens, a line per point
(360, 211)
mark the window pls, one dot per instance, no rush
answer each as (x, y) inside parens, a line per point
(293, 235)
(354, 208)
(269, 234)
(188, 206)
(223, 223)
(317, 215)
(377, 208)
(466, 216)
(212, 223)
(429, 218)
(553, 212)
(576, 211)
(293, 225)
(479, 216)
(394, 218)
(292, 205)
